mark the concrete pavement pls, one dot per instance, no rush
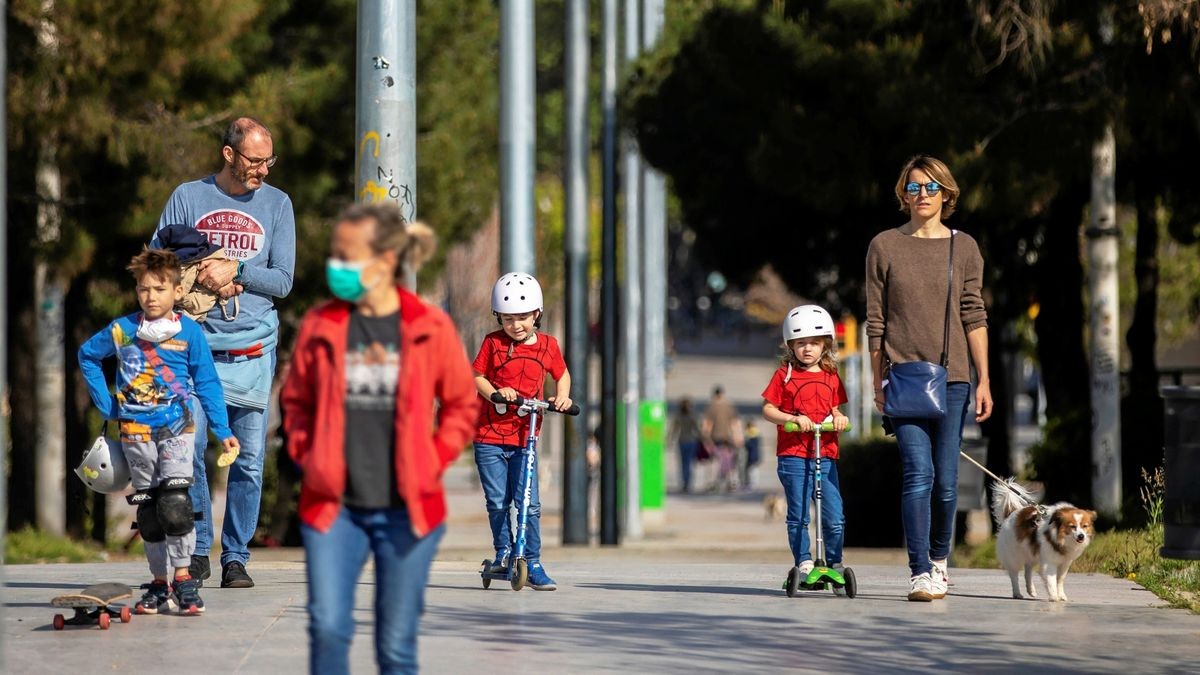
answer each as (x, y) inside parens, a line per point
(699, 594)
(619, 611)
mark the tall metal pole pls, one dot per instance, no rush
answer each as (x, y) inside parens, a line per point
(653, 409)
(1102, 235)
(517, 137)
(632, 296)
(385, 123)
(609, 528)
(3, 301)
(575, 191)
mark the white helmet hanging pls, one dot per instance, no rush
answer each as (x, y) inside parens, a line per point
(104, 468)
(807, 321)
(516, 293)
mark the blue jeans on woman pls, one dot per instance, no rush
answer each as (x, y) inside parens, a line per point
(798, 476)
(335, 561)
(502, 473)
(929, 493)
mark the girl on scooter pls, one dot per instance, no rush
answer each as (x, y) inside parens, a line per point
(804, 390)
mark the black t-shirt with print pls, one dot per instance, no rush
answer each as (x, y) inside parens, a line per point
(372, 370)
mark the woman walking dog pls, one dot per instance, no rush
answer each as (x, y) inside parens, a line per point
(926, 325)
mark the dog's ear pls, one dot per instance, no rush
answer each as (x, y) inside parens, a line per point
(1093, 515)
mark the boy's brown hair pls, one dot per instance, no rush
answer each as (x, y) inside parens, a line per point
(163, 264)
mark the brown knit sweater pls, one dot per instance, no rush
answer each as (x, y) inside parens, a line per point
(906, 298)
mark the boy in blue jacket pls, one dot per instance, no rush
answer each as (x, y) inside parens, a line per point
(163, 360)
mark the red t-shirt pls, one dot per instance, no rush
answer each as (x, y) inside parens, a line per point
(813, 395)
(523, 368)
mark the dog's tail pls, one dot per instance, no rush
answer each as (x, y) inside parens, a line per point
(1007, 497)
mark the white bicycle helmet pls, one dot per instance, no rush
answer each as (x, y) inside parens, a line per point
(807, 321)
(516, 293)
(104, 468)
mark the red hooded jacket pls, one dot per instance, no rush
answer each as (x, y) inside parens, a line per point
(436, 385)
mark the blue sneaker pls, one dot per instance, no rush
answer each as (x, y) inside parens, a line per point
(538, 579)
(156, 599)
(500, 564)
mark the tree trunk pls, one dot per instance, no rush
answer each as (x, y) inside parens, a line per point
(49, 292)
(1104, 318)
(1143, 406)
(1059, 325)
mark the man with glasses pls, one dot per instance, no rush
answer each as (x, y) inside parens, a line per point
(253, 222)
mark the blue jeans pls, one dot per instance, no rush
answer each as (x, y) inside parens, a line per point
(687, 457)
(244, 492)
(929, 493)
(798, 475)
(334, 562)
(502, 473)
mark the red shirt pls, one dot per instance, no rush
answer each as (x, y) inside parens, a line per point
(521, 366)
(813, 395)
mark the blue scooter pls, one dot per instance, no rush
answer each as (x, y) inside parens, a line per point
(517, 572)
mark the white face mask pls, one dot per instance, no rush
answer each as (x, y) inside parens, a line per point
(161, 329)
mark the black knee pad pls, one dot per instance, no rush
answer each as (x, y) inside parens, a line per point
(175, 513)
(147, 516)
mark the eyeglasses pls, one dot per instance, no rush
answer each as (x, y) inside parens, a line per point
(257, 161)
(913, 189)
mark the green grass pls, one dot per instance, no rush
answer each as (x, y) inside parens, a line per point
(31, 546)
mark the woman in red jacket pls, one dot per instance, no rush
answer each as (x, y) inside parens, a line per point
(368, 371)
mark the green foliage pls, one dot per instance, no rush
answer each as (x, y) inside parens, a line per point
(869, 473)
(32, 546)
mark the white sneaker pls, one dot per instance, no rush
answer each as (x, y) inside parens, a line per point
(939, 579)
(805, 568)
(920, 588)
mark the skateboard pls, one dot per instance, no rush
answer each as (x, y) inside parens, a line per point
(94, 605)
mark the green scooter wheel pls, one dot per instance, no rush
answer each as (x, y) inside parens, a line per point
(851, 584)
(520, 574)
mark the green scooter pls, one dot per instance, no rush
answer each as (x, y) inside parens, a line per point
(821, 576)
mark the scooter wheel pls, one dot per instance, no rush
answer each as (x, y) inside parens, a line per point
(126, 615)
(520, 575)
(60, 622)
(487, 582)
(793, 582)
(851, 584)
(104, 620)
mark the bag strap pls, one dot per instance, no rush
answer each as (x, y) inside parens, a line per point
(949, 294)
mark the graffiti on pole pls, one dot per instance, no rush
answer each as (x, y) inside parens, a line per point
(383, 186)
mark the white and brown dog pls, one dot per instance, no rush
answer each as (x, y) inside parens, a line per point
(1051, 539)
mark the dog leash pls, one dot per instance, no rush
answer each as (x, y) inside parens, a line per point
(1028, 502)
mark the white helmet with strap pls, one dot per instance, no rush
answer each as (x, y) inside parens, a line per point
(807, 321)
(516, 293)
(104, 468)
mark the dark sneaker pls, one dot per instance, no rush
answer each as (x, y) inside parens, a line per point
(156, 599)
(233, 575)
(500, 564)
(199, 569)
(187, 596)
(538, 579)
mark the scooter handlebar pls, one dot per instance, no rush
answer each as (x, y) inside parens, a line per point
(544, 405)
(826, 427)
